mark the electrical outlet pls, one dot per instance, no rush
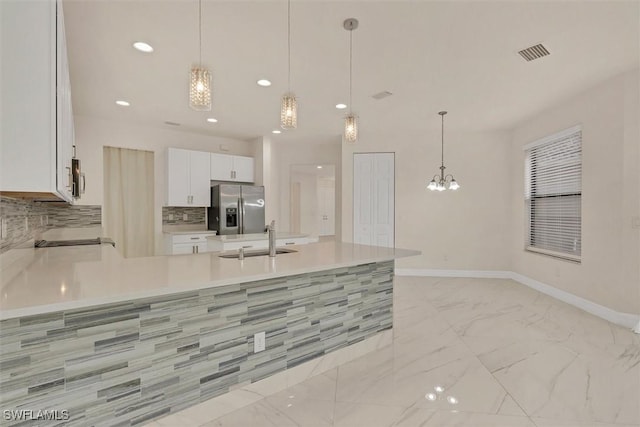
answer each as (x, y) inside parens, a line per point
(259, 342)
(3, 228)
(41, 219)
(185, 217)
(26, 223)
(170, 217)
(46, 220)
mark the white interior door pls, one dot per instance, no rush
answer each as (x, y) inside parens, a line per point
(374, 199)
(326, 206)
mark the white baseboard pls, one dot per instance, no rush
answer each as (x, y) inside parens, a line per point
(631, 321)
(489, 274)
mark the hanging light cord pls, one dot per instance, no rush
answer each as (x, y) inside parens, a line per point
(350, 64)
(443, 141)
(289, 44)
(200, 32)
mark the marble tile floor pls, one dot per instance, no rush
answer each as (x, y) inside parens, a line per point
(470, 352)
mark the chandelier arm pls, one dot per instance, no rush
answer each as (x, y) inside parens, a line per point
(449, 175)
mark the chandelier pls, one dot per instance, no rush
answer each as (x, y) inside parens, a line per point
(289, 107)
(351, 120)
(442, 182)
(200, 81)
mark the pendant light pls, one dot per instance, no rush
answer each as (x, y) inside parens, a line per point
(289, 109)
(442, 182)
(351, 120)
(200, 82)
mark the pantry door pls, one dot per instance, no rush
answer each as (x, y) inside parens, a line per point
(374, 199)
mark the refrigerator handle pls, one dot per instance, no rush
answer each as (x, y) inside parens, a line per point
(240, 216)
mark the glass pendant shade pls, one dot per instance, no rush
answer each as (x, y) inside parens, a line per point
(453, 185)
(432, 185)
(200, 89)
(289, 112)
(351, 128)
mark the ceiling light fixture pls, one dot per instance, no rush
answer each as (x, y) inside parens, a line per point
(264, 83)
(341, 106)
(212, 120)
(143, 47)
(276, 131)
(200, 84)
(289, 109)
(442, 182)
(351, 120)
(318, 167)
(122, 103)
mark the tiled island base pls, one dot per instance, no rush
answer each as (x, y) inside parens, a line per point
(129, 363)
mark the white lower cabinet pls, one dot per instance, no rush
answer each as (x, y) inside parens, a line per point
(177, 244)
(216, 245)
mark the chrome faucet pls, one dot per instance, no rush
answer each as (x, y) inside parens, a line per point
(272, 238)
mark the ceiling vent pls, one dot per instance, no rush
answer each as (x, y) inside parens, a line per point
(382, 95)
(534, 52)
(171, 123)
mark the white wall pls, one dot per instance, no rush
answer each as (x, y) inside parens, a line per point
(93, 134)
(467, 229)
(285, 154)
(610, 270)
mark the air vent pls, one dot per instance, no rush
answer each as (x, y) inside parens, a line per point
(171, 123)
(381, 95)
(534, 52)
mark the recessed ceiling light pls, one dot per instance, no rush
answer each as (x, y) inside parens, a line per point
(212, 120)
(341, 106)
(143, 47)
(276, 131)
(319, 167)
(123, 103)
(264, 82)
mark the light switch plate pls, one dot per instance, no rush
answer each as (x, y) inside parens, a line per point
(170, 217)
(259, 342)
(185, 217)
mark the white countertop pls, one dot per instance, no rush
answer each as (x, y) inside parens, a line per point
(256, 236)
(37, 281)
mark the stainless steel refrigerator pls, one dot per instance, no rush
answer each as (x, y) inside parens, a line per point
(236, 209)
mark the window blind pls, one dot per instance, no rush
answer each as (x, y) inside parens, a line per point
(553, 192)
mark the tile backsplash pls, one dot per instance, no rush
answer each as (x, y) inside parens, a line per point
(25, 219)
(172, 215)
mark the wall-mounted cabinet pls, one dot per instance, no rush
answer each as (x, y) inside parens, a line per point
(37, 135)
(226, 167)
(188, 178)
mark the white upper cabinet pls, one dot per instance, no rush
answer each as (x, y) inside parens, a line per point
(243, 168)
(225, 167)
(221, 167)
(188, 178)
(36, 136)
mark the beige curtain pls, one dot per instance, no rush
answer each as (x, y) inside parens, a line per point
(128, 200)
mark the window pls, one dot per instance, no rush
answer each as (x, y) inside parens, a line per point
(553, 192)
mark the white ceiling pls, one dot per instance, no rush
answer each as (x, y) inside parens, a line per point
(458, 56)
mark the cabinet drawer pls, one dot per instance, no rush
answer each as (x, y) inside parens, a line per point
(191, 238)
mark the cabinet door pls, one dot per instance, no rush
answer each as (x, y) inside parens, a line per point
(183, 248)
(178, 179)
(64, 119)
(243, 167)
(221, 167)
(199, 175)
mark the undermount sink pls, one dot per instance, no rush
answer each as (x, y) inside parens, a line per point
(259, 252)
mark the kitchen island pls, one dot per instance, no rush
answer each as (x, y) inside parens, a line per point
(115, 340)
